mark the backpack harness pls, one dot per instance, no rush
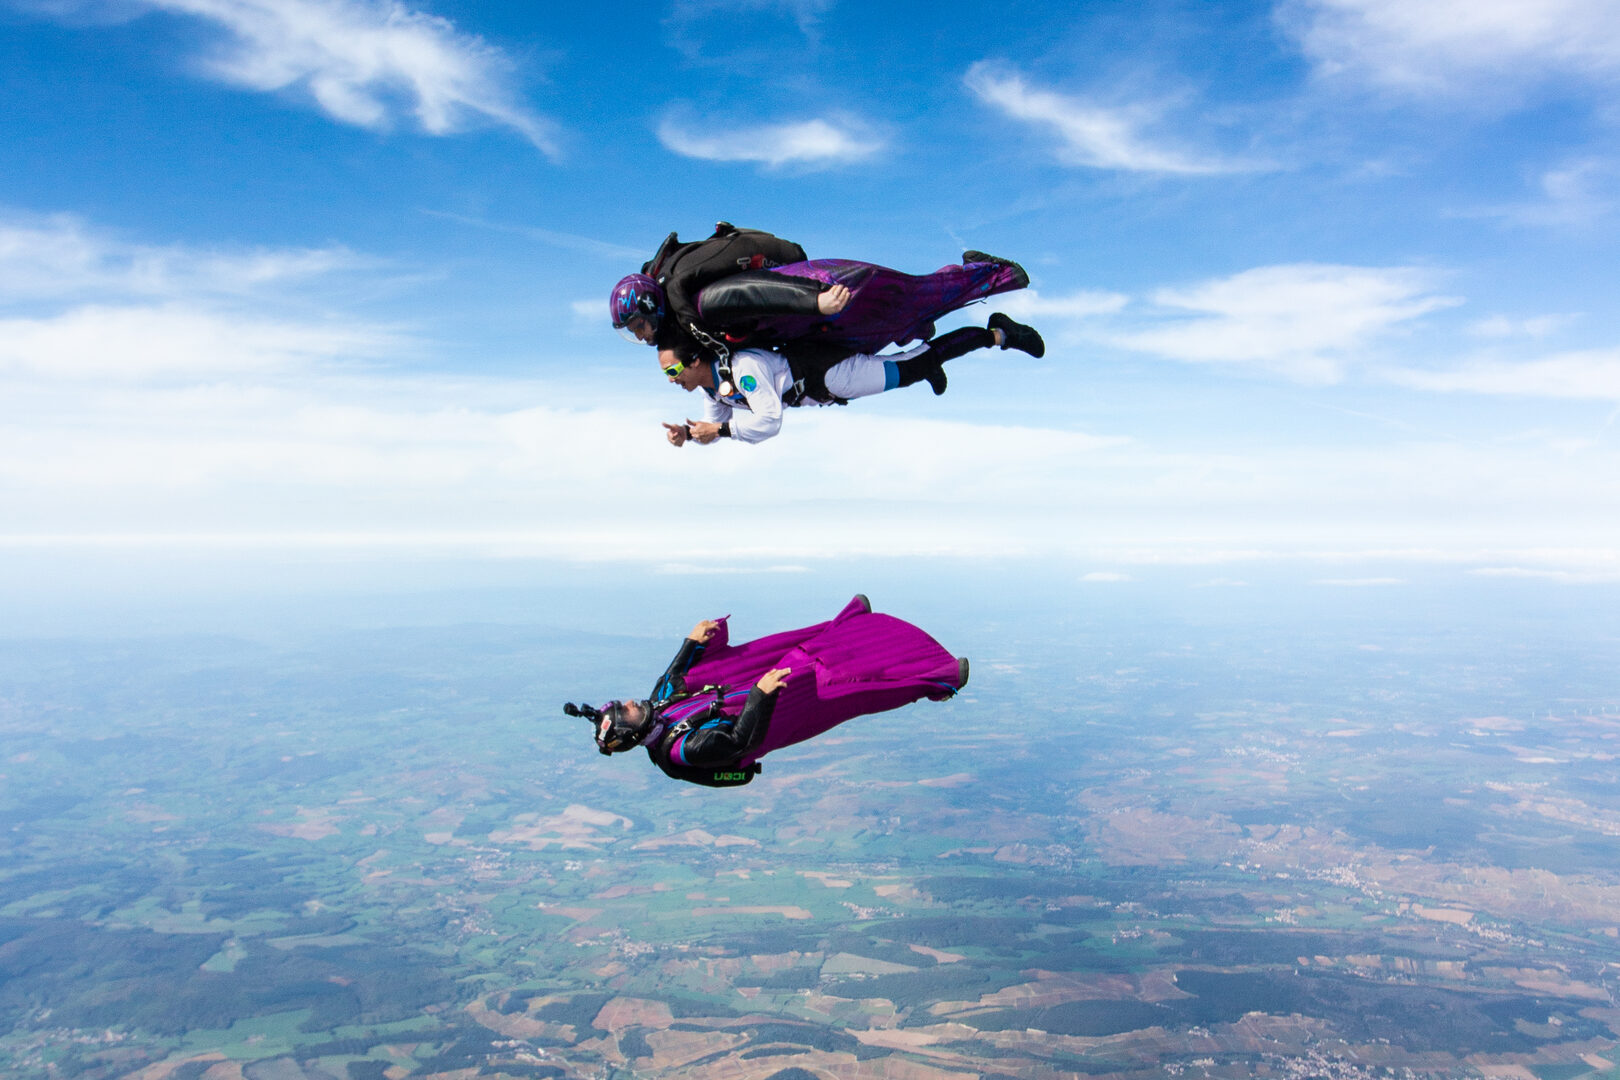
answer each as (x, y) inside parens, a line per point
(711, 776)
(761, 252)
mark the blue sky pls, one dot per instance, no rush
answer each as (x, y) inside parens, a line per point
(1322, 279)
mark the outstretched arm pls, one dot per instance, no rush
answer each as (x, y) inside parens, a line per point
(714, 425)
(725, 741)
(673, 681)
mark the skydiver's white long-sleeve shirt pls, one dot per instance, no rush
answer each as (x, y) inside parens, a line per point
(760, 378)
(754, 406)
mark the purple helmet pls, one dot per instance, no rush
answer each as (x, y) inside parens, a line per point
(636, 297)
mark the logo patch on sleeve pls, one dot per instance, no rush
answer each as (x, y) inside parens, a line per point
(748, 384)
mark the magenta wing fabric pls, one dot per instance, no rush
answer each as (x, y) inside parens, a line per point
(886, 307)
(858, 663)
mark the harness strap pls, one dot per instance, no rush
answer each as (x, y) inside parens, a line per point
(722, 351)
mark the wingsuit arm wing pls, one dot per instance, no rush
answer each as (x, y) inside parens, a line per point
(754, 294)
(725, 741)
(673, 681)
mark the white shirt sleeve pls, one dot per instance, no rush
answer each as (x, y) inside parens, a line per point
(763, 417)
(715, 411)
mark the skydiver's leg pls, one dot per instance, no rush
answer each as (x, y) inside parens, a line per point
(858, 376)
(1015, 335)
(863, 375)
(960, 342)
(927, 362)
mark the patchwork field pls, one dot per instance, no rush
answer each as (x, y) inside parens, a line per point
(381, 857)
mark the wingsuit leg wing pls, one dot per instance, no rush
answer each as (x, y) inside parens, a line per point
(854, 664)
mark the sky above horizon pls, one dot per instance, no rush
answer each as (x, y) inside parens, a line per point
(1318, 277)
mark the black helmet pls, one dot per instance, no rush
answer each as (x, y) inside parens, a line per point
(622, 732)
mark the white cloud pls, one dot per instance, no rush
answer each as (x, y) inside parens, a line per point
(60, 256)
(1092, 135)
(497, 466)
(1573, 194)
(706, 569)
(1580, 575)
(1105, 577)
(1083, 304)
(1359, 583)
(806, 14)
(197, 419)
(364, 62)
(1536, 326)
(588, 245)
(1304, 320)
(85, 304)
(176, 340)
(1592, 375)
(818, 143)
(1457, 46)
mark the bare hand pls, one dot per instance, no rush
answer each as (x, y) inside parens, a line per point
(675, 433)
(703, 631)
(772, 680)
(703, 431)
(833, 300)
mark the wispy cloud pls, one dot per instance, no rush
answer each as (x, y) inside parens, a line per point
(1303, 320)
(60, 256)
(84, 303)
(1082, 304)
(1090, 134)
(1572, 195)
(724, 28)
(1585, 575)
(814, 144)
(178, 340)
(369, 63)
(1591, 375)
(806, 14)
(1536, 326)
(212, 417)
(587, 245)
(1452, 48)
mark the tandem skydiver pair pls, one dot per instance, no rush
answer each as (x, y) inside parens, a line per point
(746, 318)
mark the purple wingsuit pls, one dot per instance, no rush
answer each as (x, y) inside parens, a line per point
(858, 663)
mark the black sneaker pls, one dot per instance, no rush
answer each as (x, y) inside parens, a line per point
(982, 257)
(961, 672)
(1015, 335)
(936, 379)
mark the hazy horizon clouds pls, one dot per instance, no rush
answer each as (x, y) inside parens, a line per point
(294, 269)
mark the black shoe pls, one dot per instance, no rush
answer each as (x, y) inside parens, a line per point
(961, 672)
(981, 257)
(1015, 335)
(936, 379)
